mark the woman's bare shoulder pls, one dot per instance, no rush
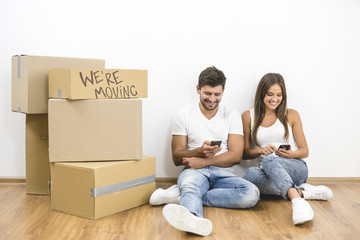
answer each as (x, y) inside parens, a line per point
(293, 116)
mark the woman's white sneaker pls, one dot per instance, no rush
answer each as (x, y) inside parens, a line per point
(302, 211)
(161, 196)
(182, 219)
(311, 192)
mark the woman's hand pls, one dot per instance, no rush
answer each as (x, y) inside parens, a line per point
(268, 149)
(282, 152)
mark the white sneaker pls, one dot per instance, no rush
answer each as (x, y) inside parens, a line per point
(161, 196)
(302, 211)
(182, 219)
(316, 192)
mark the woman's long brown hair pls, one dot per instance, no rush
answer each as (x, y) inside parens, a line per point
(266, 81)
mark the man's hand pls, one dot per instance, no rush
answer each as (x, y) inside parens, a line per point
(195, 162)
(209, 151)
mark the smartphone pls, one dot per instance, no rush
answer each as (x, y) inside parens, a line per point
(215, 142)
(286, 146)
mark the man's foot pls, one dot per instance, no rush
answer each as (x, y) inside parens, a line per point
(182, 219)
(161, 196)
(302, 211)
(316, 192)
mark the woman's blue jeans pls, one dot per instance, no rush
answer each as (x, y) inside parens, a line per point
(277, 175)
(215, 187)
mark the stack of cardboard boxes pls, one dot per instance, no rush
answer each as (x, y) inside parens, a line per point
(92, 134)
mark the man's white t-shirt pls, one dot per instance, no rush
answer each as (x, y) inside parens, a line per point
(192, 123)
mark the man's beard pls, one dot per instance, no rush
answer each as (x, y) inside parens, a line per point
(209, 109)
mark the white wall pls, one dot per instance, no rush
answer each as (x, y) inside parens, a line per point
(313, 44)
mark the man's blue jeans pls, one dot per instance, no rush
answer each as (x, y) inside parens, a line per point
(215, 187)
(277, 175)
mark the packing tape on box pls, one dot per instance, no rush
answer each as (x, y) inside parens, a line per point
(19, 67)
(100, 191)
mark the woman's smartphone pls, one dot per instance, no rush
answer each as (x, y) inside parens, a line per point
(285, 146)
(214, 143)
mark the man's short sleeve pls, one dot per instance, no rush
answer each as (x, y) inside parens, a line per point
(179, 124)
(236, 126)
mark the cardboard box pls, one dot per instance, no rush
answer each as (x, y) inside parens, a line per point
(71, 83)
(37, 154)
(95, 130)
(98, 189)
(30, 84)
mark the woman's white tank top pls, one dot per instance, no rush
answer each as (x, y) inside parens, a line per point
(273, 134)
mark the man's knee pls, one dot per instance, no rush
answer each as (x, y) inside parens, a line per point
(189, 186)
(253, 195)
(249, 196)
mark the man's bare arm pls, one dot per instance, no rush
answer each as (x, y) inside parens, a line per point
(227, 159)
(179, 151)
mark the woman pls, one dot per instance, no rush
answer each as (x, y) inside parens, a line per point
(281, 172)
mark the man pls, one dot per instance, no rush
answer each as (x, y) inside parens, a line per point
(208, 178)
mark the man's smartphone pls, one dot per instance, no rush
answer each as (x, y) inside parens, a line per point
(215, 142)
(285, 146)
